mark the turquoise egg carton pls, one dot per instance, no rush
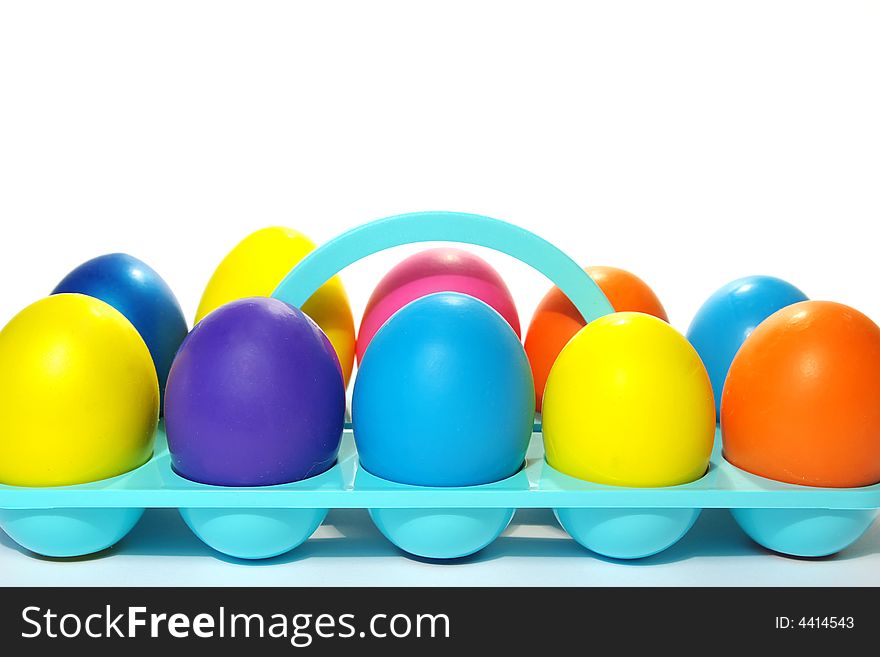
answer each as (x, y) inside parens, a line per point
(440, 523)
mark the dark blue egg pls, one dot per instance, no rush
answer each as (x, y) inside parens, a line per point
(729, 316)
(139, 293)
(444, 395)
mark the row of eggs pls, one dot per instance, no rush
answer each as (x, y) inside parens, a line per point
(446, 393)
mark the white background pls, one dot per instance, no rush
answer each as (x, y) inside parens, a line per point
(690, 142)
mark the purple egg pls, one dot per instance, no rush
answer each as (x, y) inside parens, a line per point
(255, 397)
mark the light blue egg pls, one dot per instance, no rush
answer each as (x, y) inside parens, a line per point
(729, 316)
(444, 395)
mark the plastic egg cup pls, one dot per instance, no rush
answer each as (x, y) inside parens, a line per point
(253, 533)
(65, 533)
(258, 533)
(441, 532)
(72, 532)
(802, 532)
(627, 533)
(624, 533)
(805, 532)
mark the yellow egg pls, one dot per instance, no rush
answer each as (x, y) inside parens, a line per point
(629, 403)
(79, 395)
(256, 266)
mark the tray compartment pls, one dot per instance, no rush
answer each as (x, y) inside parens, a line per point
(805, 532)
(627, 534)
(253, 533)
(68, 532)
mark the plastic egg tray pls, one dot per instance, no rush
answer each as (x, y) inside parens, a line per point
(442, 523)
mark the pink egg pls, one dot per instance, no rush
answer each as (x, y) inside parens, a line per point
(435, 270)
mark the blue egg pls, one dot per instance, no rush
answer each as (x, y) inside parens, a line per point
(139, 293)
(730, 315)
(444, 395)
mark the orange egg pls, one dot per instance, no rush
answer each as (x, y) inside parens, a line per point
(802, 399)
(556, 320)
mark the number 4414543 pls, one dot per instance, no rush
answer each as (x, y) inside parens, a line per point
(815, 623)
